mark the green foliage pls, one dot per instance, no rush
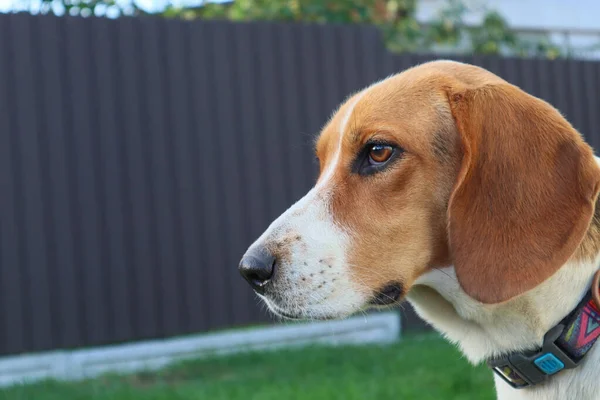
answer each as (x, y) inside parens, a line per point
(396, 19)
(316, 11)
(84, 8)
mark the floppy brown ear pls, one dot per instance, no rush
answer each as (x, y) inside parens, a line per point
(525, 192)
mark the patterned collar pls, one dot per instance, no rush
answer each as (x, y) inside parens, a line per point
(564, 347)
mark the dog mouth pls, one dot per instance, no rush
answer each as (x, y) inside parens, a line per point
(302, 317)
(277, 310)
(390, 294)
(292, 316)
(304, 313)
(286, 315)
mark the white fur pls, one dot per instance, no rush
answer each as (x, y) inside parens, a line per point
(313, 282)
(483, 331)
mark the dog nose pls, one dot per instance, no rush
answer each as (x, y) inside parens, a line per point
(257, 268)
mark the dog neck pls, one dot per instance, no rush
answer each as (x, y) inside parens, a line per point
(590, 245)
(483, 331)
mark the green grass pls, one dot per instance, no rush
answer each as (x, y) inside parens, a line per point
(419, 367)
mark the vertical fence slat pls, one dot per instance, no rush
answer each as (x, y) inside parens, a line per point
(64, 283)
(139, 198)
(12, 277)
(171, 35)
(198, 261)
(28, 110)
(159, 136)
(560, 86)
(107, 134)
(576, 94)
(203, 94)
(293, 126)
(371, 51)
(84, 163)
(329, 72)
(310, 95)
(251, 136)
(591, 103)
(544, 80)
(528, 75)
(270, 111)
(351, 70)
(187, 235)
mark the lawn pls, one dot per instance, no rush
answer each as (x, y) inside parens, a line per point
(419, 367)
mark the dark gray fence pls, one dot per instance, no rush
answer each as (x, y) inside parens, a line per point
(140, 157)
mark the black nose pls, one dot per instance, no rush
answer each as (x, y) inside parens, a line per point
(257, 267)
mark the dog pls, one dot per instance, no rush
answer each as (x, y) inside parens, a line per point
(451, 188)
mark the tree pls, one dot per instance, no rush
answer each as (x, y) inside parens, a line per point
(396, 19)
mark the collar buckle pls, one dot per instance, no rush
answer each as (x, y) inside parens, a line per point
(521, 370)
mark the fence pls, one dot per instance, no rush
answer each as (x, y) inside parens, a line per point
(140, 157)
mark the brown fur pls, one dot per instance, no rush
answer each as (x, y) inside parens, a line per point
(492, 180)
(590, 246)
(524, 197)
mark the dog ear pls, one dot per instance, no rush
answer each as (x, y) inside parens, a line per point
(524, 195)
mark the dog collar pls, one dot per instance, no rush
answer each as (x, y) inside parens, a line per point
(564, 346)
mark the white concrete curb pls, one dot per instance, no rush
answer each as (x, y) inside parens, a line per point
(87, 363)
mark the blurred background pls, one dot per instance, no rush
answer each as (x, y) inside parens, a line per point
(144, 145)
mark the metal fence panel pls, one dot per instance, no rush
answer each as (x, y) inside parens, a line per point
(140, 157)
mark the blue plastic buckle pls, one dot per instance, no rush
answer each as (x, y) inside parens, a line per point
(549, 364)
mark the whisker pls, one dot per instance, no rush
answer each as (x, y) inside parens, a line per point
(444, 272)
(376, 292)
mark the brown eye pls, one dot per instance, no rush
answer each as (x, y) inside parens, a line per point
(375, 157)
(379, 154)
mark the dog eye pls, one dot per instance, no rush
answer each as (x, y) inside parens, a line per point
(375, 157)
(379, 154)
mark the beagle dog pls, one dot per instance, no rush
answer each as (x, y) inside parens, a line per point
(449, 187)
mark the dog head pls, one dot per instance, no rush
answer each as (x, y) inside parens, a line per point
(443, 164)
